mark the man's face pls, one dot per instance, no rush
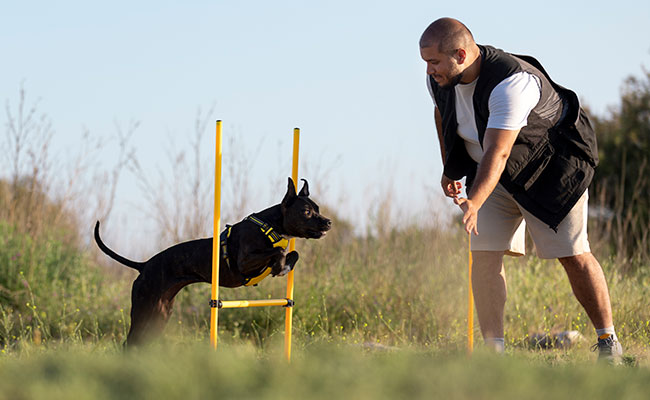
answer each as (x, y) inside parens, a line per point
(444, 68)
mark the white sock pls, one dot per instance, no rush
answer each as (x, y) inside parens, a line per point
(497, 344)
(606, 331)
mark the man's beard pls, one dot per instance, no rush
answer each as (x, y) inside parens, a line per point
(453, 81)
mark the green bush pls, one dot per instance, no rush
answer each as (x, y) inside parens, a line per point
(50, 290)
(622, 183)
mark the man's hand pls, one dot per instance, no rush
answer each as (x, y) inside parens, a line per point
(497, 144)
(470, 214)
(450, 187)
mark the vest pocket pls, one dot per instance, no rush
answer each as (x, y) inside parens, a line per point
(581, 137)
(557, 183)
(539, 161)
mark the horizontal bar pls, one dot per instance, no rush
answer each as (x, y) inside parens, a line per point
(255, 303)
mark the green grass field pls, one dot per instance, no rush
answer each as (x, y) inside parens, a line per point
(190, 371)
(381, 316)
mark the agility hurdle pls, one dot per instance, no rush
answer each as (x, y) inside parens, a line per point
(470, 302)
(215, 303)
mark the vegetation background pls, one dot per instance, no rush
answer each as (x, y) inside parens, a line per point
(379, 314)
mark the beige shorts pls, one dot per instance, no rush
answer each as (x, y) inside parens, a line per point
(502, 224)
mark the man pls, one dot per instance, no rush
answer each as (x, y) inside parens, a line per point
(528, 153)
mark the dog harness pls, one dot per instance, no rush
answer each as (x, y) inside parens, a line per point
(276, 240)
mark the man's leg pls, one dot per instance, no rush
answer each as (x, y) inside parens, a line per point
(590, 288)
(501, 230)
(489, 286)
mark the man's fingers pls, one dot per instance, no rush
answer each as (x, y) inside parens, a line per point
(470, 226)
(456, 187)
(450, 187)
(467, 228)
(469, 216)
(452, 191)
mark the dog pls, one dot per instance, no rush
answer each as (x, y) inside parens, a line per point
(250, 250)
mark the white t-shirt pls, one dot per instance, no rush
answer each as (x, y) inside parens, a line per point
(509, 105)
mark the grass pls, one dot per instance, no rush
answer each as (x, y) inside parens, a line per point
(381, 315)
(404, 289)
(51, 291)
(378, 316)
(318, 372)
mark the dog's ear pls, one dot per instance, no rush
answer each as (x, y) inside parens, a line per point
(290, 195)
(305, 189)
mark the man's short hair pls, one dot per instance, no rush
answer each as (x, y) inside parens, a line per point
(448, 33)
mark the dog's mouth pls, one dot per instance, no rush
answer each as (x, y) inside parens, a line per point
(316, 234)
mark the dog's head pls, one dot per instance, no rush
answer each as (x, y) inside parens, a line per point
(301, 215)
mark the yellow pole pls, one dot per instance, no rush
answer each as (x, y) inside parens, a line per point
(470, 303)
(292, 246)
(215, 241)
(253, 303)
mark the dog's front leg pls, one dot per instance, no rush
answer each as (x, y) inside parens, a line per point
(253, 260)
(282, 265)
(291, 260)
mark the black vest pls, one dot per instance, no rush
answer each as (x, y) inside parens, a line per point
(553, 158)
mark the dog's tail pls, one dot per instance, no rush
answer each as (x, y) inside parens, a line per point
(133, 264)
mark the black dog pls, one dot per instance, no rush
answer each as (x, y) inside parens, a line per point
(249, 250)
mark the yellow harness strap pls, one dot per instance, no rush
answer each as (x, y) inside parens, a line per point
(254, 281)
(277, 241)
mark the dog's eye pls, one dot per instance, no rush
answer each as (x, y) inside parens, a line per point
(307, 212)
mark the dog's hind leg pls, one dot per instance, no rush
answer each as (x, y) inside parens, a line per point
(148, 320)
(165, 305)
(142, 310)
(150, 310)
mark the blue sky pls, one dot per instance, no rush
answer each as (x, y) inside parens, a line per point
(347, 73)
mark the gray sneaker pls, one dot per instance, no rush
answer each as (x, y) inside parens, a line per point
(609, 350)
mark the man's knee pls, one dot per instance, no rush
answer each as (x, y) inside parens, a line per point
(487, 258)
(583, 261)
(487, 262)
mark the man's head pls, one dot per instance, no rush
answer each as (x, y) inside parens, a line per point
(448, 48)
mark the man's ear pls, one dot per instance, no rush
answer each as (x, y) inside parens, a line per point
(461, 56)
(305, 188)
(290, 195)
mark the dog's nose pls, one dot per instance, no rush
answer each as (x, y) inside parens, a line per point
(328, 224)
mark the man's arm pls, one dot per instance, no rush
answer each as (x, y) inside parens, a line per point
(450, 187)
(441, 139)
(497, 145)
(510, 104)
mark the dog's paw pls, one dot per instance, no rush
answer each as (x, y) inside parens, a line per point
(292, 259)
(285, 270)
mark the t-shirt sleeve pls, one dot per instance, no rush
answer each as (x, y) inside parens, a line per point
(431, 91)
(512, 100)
